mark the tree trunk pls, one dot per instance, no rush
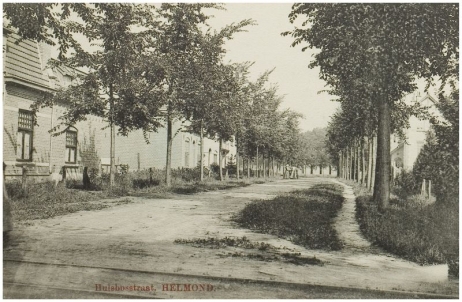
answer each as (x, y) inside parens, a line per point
(168, 166)
(345, 163)
(363, 157)
(272, 165)
(339, 163)
(348, 172)
(220, 159)
(237, 160)
(358, 161)
(264, 165)
(352, 163)
(369, 164)
(258, 171)
(383, 166)
(248, 167)
(112, 149)
(355, 159)
(202, 151)
(374, 161)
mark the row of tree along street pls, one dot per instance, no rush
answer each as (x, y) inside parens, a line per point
(150, 66)
(370, 55)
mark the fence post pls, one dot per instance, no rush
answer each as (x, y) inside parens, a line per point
(422, 190)
(24, 177)
(86, 178)
(429, 188)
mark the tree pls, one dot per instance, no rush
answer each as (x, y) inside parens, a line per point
(186, 43)
(42, 22)
(438, 160)
(119, 85)
(207, 81)
(382, 47)
(313, 151)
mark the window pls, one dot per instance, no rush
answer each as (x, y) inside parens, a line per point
(215, 158)
(71, 147)
(24, 139)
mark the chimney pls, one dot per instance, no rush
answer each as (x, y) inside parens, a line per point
(45, 54)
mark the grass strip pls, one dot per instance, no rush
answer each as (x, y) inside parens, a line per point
(304, 217)
(424, 234)
(264, 251)
(46, 200)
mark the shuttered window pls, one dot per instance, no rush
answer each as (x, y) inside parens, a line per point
(25, 135)
(71, 147)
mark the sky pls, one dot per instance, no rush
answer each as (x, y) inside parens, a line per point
(264, 45)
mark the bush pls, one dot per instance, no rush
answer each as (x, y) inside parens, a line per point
(15, 190)
(232, 169)
(405, 185)
(215, 169)
(187, 174)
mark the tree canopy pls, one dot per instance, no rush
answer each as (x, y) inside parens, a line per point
(370, 54)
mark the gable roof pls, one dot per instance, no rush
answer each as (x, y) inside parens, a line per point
(23, 62)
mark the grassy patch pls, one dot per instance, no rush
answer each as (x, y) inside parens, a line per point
(184, 188)
(152, 183)
(411, 228)
(426, 234)
(304, 217)
(45, 200)
(293, 258)
(215, 243)
(266, 252)
(196, 187)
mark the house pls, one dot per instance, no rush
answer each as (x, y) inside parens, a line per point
(404, 152)
(31, 149)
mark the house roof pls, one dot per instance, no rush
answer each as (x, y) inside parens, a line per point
(428, 96)
(23, 61)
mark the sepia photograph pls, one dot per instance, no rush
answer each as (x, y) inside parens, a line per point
(230, 150)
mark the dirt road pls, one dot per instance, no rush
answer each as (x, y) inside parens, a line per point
(139, 236)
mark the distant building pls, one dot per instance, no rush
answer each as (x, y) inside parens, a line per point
(404, 152)
(26, 78)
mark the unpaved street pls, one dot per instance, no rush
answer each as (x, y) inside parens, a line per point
(113, 245)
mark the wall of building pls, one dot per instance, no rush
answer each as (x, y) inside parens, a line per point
(27, 77)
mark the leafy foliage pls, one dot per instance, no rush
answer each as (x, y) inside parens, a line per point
(313, 151)
(438, 160)
(370, 55)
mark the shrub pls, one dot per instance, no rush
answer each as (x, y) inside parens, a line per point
(15, 190)
(405, 185)
(215, 169)
(187, 174)
(232, 169)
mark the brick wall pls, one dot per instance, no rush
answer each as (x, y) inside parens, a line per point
(94, 139)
